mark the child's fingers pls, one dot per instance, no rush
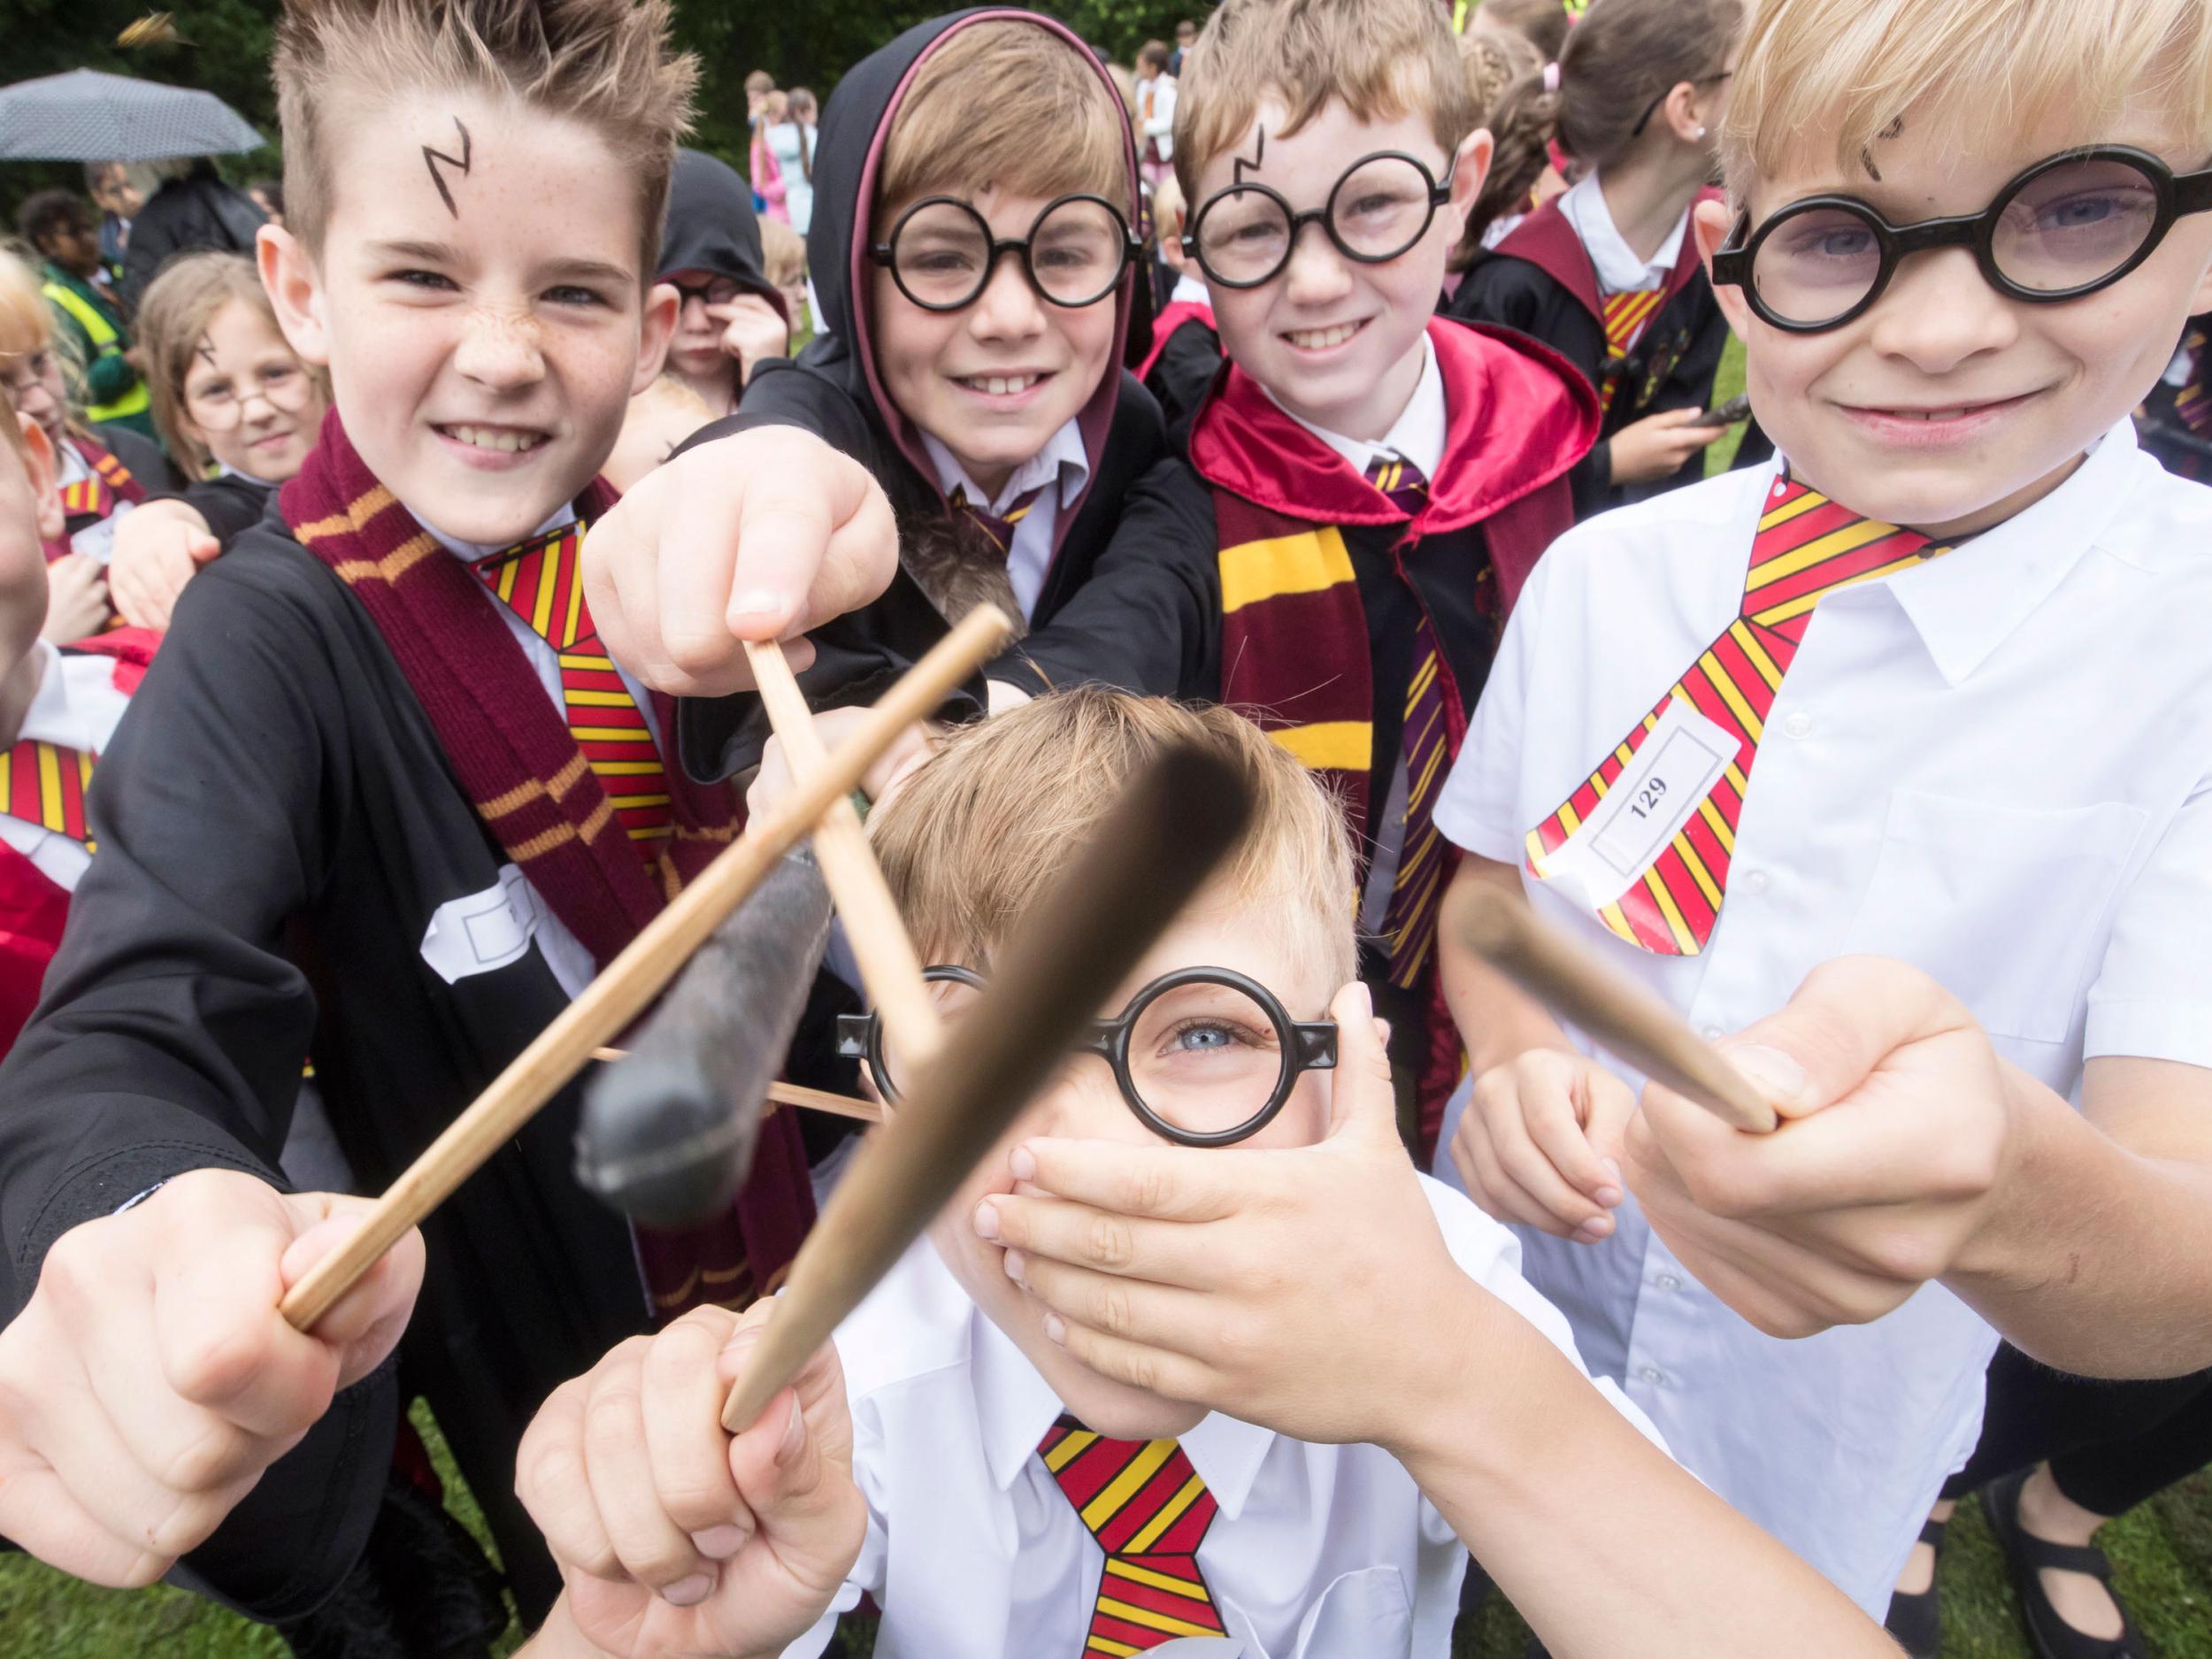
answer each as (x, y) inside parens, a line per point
(653, 1549)
(1361, 1099)
(1529, 1166)
(1495, 1189)
(550, 1481)
(683, 1395)
(1163, 1183)
(1176, 1320)
(37, 1512)
(1155, 1371)
(1162, 1251)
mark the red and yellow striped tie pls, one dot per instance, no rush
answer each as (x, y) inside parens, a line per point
(2194, 403)
(1409, 921)
(89, 495)
(44, 784)
(1149, 1511)
(542, 582)
(998, 526)
(1807, 547)
(1626, 316)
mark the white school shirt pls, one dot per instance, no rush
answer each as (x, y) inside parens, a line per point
(1155, 114)
(76, 705)
(1618, 269)
(95, 542)
(1996, 765)
(1417, 437)
(972, 1551)
(514, 914)
(1063, 465)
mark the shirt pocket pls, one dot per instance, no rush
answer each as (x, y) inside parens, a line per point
(1367, 1612)
(2001, 904)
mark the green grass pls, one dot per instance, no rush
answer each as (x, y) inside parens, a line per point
(1727, 381)
(2163, 1555)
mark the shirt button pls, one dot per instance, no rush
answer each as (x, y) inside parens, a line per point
(1666, 1281)
(1799, 725)
(1653, 1375)
(1756, 882)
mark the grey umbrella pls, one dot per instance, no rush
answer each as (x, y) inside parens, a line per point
(88, 116)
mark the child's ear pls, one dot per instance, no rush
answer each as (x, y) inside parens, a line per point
(295, 291)
(1471, 171)
(45, 474)
(1679, 109)
(1710, 223)
(656, 327)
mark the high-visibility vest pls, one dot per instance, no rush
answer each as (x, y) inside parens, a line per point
(105, 342)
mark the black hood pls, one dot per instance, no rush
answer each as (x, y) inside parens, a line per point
(711, 227)
(848, 153)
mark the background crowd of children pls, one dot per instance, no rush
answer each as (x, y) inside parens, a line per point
(1354, 367)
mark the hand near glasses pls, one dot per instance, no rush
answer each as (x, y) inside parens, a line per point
(752, 332)
(76, 599)
(1197, 1276)
(158, 548)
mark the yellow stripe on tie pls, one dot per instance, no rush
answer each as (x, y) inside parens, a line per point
(1793, 508)
(1135, 1574)
(1127, 1484)
(610, 734)
(1684, 939)
(624, 768)
(1617, 918)
(1798, 606)
(1302, 563)
(1328, 745)
(1849, 538)
(1718, 824)
(1698, 874)
(541, 609)
(1108, 1645)
(575, 593)
(584, 659)
(1748, 643)
(1078, 1443)
(1717, 676)
(503, 583)
(1570, 819)
(599, 699)
(49, 785)
(1144, 1616)
(1420, 681)
(1170, 1513)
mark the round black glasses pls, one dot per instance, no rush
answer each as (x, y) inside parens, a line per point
(1243, 236)
(2070, 225)
(942, 252)
(1205, 1057)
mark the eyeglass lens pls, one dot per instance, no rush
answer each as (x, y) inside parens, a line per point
(942, 253)
(1378, 211)
(285, 388)
(718, 291)
(2062, 229)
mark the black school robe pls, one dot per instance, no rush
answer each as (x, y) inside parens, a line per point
(1538, 282)
(833, 390)
(276, 824)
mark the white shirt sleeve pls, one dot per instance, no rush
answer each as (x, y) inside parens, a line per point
(2153, 995)
(1477, 811)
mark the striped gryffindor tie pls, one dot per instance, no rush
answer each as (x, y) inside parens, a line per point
(2194, 403)
(89, 495)
(998, 526)
(1626, 316)
(1148, 1511)
(44, 784)
(542, 582)
(1409, 921)
(1806, 547)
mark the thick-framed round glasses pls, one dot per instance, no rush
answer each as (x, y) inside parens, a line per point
(286, 390)
(715, 290)
(2071, 224)
(942, 252)
(1205, 1057)
(1242, 237)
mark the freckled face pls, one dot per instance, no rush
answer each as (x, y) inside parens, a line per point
(483, 339)
(1084, 1103)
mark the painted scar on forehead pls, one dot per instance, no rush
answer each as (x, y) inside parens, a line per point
(460, 163)
(1259, 154)
(204, 351)
(1866, 155)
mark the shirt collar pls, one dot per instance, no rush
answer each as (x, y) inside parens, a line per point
(477, 552)
(1062, 460)
(1015, 1406)
(1967, 604)
(1417, 436)
(1618, 269)
(1190, 290)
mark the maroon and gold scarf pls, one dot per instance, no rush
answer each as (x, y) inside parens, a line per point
(512, 754)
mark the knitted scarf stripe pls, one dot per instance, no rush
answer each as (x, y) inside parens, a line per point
(507, 744)
(111, 471)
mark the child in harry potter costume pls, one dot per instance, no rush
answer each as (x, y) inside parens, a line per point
(1608, 273)
(386, 801)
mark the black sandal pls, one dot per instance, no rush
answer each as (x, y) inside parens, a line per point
(1914, 1619)
(2027, 1556)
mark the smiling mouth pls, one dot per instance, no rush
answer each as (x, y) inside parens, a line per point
(1937, 417)
(998, 385)
(1322, 338)
(503, 439)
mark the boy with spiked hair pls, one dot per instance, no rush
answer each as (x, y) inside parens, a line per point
(388, 802)
(1962, 237)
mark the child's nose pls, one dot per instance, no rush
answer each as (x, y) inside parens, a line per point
(499, 349)
(1008, 306)
(1938, 311)
(1316, 272)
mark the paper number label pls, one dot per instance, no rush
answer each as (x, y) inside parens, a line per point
(1668, 778)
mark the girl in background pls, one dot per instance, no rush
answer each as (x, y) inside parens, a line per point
(1608, 274)
(791, 137)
